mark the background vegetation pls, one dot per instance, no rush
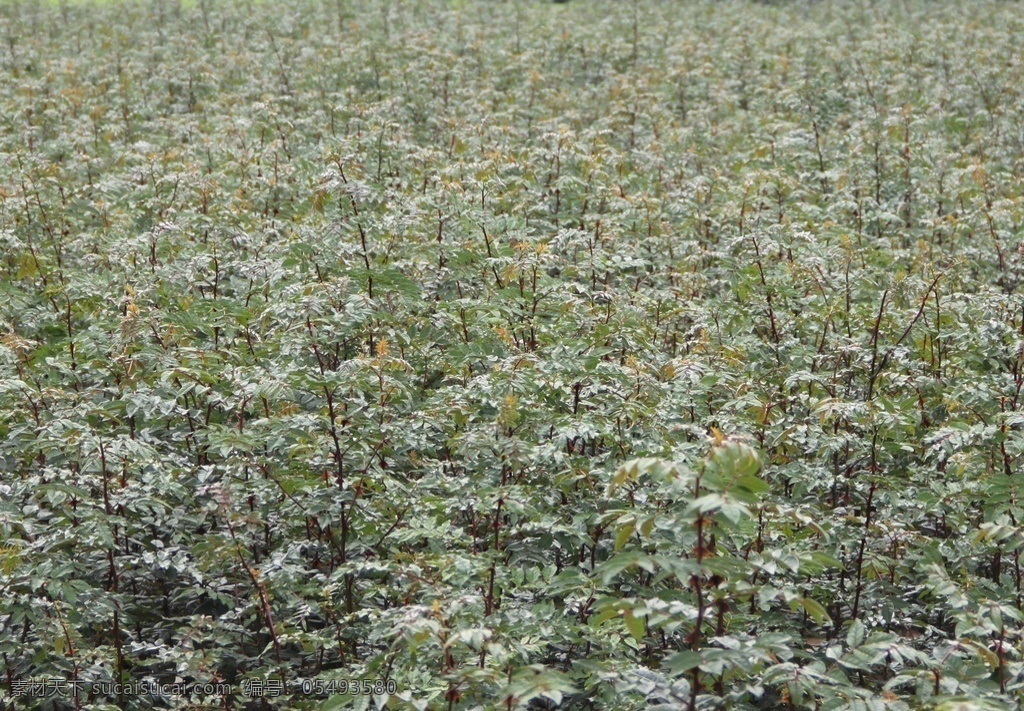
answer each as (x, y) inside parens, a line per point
(524, 355)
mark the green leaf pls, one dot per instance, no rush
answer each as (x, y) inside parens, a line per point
(626, 530)
(813, 608)
(682, 662)
(635, 625)
(855, 634)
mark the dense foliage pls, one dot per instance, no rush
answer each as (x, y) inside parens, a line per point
(522, 355)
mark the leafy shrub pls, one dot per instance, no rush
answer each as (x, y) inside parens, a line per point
(521, 355)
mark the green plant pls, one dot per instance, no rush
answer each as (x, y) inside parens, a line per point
(511, 355)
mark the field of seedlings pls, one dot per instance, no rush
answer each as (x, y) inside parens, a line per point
(469, 354)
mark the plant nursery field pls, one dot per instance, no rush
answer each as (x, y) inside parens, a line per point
(607, 355)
